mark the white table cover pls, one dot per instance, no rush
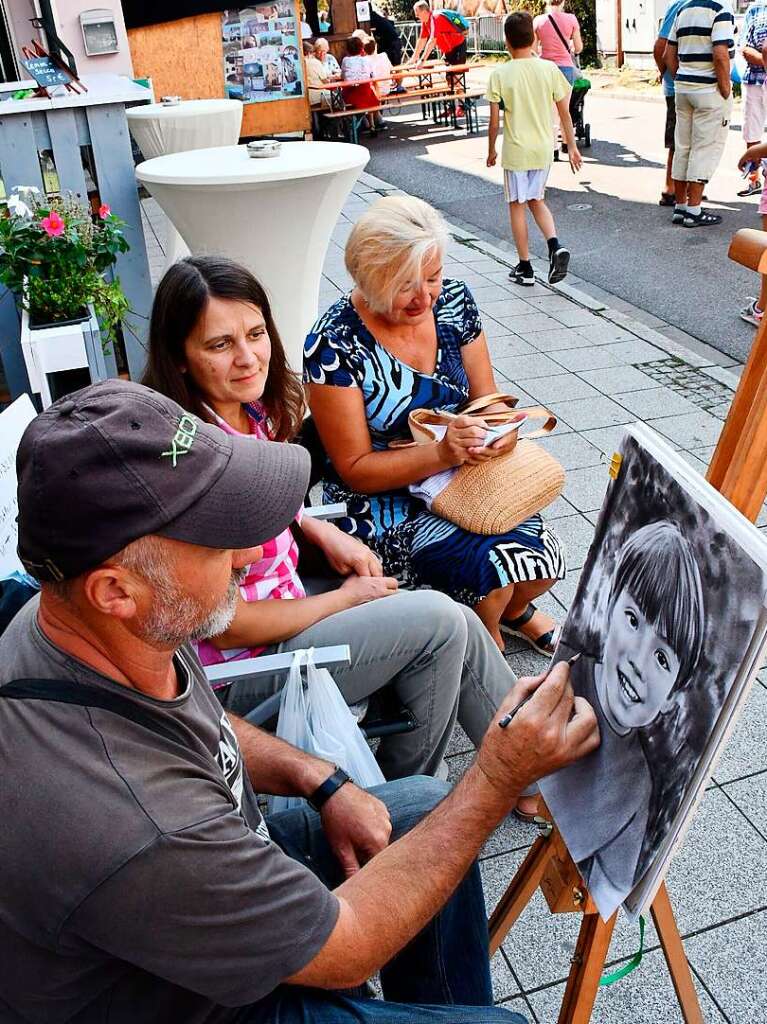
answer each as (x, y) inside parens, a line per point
(191, 124)
(273, 215)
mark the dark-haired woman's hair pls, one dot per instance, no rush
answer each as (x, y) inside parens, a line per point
(181, 299)
(354, 46)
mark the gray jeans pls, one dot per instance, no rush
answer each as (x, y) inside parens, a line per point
(436, 654)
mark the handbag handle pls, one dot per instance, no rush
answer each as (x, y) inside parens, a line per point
(537, 412)
(476, 405)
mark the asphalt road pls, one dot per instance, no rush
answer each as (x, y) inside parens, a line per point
(623, 241)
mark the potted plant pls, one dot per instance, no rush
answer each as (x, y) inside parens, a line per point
(53, 255)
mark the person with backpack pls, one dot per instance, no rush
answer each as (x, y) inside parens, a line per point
(447, 31)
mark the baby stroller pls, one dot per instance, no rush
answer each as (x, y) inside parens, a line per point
(582, 131)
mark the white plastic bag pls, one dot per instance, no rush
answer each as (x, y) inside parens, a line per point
(315, 717)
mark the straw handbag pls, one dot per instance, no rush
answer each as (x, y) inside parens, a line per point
(499, 494)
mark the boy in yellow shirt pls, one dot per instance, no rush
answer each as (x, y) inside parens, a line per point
(528, 86)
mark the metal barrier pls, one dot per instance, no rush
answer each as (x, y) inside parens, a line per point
(485, 35)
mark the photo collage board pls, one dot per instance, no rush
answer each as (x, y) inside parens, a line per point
(262, 57)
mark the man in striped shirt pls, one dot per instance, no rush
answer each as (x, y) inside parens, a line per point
(700, 46)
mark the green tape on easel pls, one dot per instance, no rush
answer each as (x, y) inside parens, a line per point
(634, 962)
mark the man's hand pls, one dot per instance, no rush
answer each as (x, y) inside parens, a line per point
(575, 158)
(492, 158)
(554, 729)
(357, 826)
(347, 555)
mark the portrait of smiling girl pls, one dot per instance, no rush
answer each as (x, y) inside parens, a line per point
(652, 640)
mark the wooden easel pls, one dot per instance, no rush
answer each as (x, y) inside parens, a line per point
(739, 471)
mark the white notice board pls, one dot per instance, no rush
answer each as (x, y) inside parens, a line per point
(13, 423)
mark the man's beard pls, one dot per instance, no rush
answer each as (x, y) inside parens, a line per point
(176, 617)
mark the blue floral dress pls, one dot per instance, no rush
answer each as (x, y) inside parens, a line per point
(418, 547)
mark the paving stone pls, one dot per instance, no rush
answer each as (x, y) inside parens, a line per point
(527, 368)
(459, 742)
(603, 332)
(504, 984)
(575, 316)
(585, 488)
(529, 324)
(696, 463)
(576, 534)
(648, 404)
(564, 590)
(482, 264)
(471, 278)
(560, 338)
(563, 387)
(746, 750)
(689, 431)
(595, 357)
(636, 351)
(527, 662)
(558, 509)
(520, 1005)
(617, 382)
(501, 276)
(571, 450)
(724, 958)
(508, 345)
(550, 302)
(494, 328)
(644, 997)
(607, 439)
(592, 412)
(511, 835)
(719, 871)
(750, 795)
(509, 307)
(493, 291)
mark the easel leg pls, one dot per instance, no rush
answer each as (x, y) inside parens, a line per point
(588, 963)
(673, 950)
(520, 891)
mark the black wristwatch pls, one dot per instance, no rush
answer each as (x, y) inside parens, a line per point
(323, 793)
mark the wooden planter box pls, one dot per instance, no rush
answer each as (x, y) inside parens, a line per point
(71, 346)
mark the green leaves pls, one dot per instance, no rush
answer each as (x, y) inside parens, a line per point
(63, 272)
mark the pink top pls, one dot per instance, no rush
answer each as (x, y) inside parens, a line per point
(551, 45)
(275, 575)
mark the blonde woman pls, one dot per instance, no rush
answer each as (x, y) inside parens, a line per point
(406, 338)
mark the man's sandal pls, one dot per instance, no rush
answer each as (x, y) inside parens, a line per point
(667, 199)
(544, 644)
(702, 220)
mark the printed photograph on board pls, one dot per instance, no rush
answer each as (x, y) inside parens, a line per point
(662, 621)
(262, 59)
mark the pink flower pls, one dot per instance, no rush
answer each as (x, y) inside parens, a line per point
(52, 225)
(104, 211)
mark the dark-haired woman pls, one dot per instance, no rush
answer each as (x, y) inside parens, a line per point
(214, 348)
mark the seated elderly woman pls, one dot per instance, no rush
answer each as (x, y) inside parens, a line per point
(407, 338)
(215, 349)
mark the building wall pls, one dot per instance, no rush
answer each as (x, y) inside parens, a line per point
(67, 13)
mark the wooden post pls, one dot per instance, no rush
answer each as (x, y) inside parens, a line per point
(619, 54)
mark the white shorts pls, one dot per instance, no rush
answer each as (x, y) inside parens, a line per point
(754, 112)
(519, 186)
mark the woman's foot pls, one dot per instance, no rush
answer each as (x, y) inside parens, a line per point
(536, 627)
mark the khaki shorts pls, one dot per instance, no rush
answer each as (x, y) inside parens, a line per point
(702, 127)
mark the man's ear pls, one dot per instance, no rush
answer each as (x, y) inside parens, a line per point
(113, 590)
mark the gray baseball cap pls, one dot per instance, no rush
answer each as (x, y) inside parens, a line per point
(117, 461)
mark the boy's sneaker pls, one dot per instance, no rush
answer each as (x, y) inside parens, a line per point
(559, 261)
(522, 274)
(752, 314)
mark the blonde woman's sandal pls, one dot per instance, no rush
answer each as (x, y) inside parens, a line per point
(544, 644)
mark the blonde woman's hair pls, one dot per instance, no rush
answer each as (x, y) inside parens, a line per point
(388, 246)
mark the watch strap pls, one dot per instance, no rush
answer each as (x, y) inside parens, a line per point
(323, 792)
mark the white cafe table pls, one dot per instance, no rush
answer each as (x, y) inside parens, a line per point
(275, 215)
(160, 129)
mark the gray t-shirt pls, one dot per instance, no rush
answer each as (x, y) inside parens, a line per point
(139, 883)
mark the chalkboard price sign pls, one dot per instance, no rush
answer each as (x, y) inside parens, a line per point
(46, 73)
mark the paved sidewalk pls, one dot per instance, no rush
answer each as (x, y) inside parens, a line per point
(598, 369)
